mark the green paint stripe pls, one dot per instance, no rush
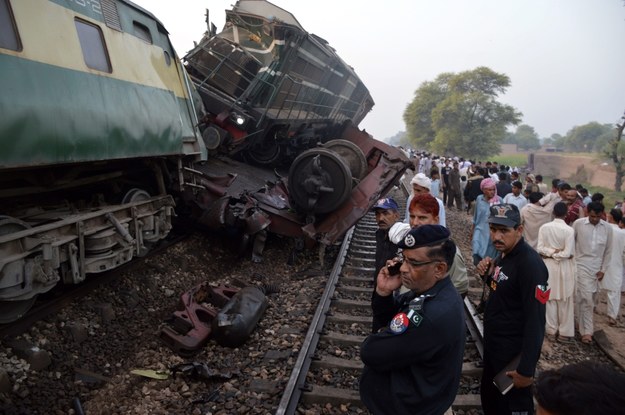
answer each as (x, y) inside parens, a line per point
(54, 115)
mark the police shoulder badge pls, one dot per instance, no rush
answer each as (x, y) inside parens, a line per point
(399, 323)
(542, 293)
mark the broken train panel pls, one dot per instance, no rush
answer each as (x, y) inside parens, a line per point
(282, 110)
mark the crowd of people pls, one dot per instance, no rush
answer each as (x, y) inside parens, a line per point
(543, 255)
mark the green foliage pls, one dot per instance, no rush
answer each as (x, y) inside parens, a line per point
(558, 140)
(515, 160)
(509, 138)
(591, 137)
(615, 150)
(460, 114)
(525, 138)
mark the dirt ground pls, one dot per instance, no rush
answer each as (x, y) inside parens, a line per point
(616, 334)
(575, 168)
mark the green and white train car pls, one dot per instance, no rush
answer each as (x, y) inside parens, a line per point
(97, 127)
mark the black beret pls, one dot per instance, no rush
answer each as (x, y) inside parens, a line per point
(424, 235)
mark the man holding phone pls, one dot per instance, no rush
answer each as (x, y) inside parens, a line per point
(414, 361)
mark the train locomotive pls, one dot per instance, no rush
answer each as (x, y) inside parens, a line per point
(106, 135)
(281, 98)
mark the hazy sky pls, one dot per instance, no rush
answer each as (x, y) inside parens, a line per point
(565, 58)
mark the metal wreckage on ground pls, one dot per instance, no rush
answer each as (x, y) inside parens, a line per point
(282, 110)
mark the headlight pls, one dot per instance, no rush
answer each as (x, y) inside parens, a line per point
(238, 119)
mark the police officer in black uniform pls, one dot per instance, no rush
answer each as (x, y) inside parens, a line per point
(514, 319)
(413, 363)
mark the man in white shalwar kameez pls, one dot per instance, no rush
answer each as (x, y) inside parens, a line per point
(613, 278)
(556, 245)
(593, 246)
(534, 216)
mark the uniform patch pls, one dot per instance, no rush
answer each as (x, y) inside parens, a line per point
(409, 241)
(415, 317)
(498, 275)
(399, 323)
(542, 293)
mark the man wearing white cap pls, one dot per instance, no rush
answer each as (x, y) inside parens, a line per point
(421, 184)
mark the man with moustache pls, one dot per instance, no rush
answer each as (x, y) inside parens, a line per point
(575, 207)
(386, 215)
(514, 318)
(593, 250)
(413, 364)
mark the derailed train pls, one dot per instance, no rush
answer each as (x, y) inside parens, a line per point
(104, 132)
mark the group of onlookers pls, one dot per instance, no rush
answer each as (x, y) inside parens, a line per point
(413, 357)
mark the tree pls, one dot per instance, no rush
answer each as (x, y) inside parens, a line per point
(509, 138)
(459, 114)
(526, 138)
(588, 137)
(616, 151)
(558, 140)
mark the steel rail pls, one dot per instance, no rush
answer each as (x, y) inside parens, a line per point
(293, 390)
(474, 325)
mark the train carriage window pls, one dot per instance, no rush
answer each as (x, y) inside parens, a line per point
(8, 32)
(93, 48)
(142, 32)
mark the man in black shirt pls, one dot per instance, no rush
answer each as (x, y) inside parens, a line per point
(413, 364)
(514, 319)
(386, 215)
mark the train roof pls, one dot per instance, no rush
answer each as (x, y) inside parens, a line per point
(147, 13)
(267, 10)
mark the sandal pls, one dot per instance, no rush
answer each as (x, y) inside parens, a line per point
(587, 339)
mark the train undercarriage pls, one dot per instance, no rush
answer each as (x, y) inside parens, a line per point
(60, 230)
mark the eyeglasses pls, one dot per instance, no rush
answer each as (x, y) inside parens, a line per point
(414, 263)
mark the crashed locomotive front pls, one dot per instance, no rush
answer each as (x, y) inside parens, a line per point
(282, 110)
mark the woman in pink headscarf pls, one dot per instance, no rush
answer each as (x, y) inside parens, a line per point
(480, 232)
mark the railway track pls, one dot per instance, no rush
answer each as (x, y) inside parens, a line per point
(327, 370)
(326, 374)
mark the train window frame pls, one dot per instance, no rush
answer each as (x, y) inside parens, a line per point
(9, 35)
(94, 51)
(142, 32)
(167, 58)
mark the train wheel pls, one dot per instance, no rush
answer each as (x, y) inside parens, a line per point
(13, 310)
(135, 195)
(264, 152)
(352, 154)
(319, 181)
